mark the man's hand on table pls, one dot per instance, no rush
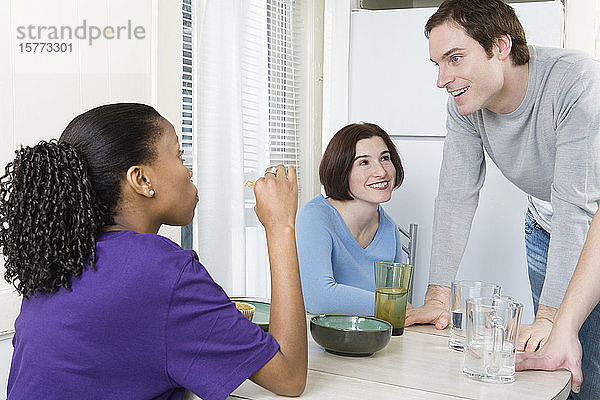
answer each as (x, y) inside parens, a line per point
(434, 311)
(561, 351)
(533, 337)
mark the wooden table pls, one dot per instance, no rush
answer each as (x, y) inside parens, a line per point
(417, 365)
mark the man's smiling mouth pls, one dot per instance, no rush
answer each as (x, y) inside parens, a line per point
(459, 91)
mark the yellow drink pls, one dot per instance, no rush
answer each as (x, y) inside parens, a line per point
(390, 305)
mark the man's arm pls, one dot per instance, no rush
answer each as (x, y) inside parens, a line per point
(575, 191)
(563, 349)
(534, 336)
(435, 310)
(461, 177)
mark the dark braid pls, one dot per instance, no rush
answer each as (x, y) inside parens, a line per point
(56, 197)
(49, 218)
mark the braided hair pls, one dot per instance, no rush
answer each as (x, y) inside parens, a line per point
(56, 196)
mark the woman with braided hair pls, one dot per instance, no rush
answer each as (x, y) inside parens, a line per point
(111, 309)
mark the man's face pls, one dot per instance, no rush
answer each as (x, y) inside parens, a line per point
(473, 79)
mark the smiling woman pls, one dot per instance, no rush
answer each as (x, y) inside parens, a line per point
(340, 236)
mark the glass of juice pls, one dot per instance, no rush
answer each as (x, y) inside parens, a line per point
(392, 281)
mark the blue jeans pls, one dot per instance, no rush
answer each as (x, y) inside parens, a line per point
(536, 244)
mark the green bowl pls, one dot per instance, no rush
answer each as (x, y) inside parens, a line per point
(350, 335)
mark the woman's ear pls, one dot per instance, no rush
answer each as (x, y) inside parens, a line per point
(139, 180)
(503, 45)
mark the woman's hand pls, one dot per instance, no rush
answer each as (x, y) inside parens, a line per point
(277, 198)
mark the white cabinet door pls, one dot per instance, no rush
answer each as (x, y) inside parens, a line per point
(391, 80)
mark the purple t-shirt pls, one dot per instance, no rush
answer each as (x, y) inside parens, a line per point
(148, 322)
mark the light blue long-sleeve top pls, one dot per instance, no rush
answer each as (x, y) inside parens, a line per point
(337, 273)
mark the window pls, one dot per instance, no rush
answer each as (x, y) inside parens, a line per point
(187, 105)
(247, 108)
(281, 140)
(283, 84)
(282, 90)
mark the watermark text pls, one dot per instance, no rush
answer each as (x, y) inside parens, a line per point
(90, 33)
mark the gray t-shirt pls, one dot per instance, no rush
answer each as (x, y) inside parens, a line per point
(549, 147)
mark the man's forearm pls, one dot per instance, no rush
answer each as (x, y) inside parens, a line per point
(438, 294)
(583, 292)
(545, 312)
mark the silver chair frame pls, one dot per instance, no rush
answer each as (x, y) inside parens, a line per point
(411, 252)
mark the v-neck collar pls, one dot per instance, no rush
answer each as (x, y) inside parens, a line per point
(348, 236)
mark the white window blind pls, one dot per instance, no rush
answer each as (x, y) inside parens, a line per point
(283, 65)
(280, 75)
(247, 107)
(186, 83)
(282, 21)
(187, 104)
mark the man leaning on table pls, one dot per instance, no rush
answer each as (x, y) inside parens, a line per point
(536, 112)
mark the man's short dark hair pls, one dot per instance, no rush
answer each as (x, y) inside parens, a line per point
(338, 158)
(485, 21)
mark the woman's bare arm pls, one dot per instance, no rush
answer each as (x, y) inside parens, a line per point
(276, 206)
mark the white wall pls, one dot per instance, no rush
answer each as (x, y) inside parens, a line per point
(582, 25)
(6, 351)
(41, 92)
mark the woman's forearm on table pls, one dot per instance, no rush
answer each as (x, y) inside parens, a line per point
(329, 297)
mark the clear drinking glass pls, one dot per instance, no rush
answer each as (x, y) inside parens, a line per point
(492, 330)
(392, 281)
(460, 291)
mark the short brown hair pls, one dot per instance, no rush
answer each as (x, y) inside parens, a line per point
(338, 158)
(484, 21)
